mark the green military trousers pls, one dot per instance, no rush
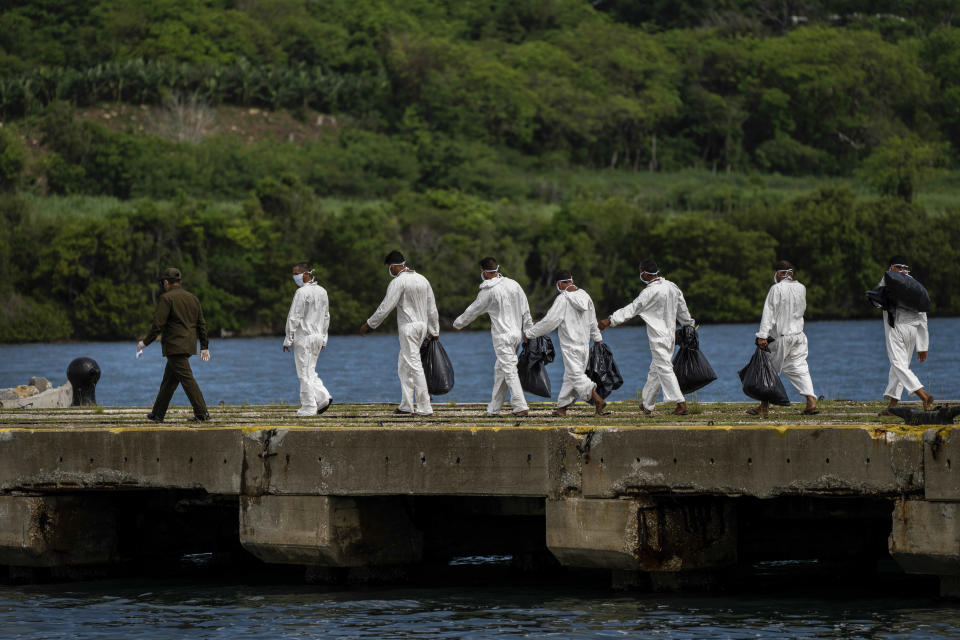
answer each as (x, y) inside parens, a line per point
(178, 371)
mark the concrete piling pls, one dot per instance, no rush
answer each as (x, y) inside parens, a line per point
(657, 507)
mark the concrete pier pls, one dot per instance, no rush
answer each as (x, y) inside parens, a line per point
(657, 505)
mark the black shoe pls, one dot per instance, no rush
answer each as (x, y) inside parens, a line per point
(199, 417)
(325, 407)
(153, 418)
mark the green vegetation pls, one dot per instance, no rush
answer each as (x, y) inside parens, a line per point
(234, 138)
(94, 275)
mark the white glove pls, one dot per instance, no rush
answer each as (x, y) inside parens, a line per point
(140, 348)
(205, 355)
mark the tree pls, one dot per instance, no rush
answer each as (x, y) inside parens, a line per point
(13, 159)
(632, 77)
(901, 165)
(838, 91)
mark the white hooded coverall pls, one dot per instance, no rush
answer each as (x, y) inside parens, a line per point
(417, 316)
(307, 324)
(782, 320)
(575, 319)
(661, 305)
(908, 334)
(506, 303)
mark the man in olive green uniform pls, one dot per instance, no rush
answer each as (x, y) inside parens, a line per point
(179, 319)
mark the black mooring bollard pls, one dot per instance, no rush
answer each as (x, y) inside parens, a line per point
(83, 374)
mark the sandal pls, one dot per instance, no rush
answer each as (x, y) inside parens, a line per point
(810, 412)
(756, 411)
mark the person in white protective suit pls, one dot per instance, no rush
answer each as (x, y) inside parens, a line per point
(411, 294)
(575, 319)
(506, 303)
(661, 305)
(781, 329)
(307, 325)
(909, 332)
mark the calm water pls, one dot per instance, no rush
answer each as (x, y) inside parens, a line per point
(118, 610)
(847, 361)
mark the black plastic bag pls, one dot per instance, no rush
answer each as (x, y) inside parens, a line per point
(603, 370)
(689, 364)
(532, 366)
(906, 291)
(761, 381)
(436, 367)
(881, 299)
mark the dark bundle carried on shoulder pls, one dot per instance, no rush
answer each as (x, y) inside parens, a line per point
(761, 381)
(603, 370)
(436, 367)
(536, 354)
(689, 364)
(899, 289)
(906, 291)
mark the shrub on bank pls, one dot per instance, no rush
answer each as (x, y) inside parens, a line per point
(23, 319)
(95, 276)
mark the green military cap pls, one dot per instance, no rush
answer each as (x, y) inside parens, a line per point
(171, 273)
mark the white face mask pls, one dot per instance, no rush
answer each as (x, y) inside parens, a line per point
(298, 278)
(562, 289)
(495, 271)
(645, 282)
(396, 264)
(787, 275)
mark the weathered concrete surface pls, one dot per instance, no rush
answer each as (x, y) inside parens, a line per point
(137, 457)
(509, 461)
(329, 531)
(600, 462)
(926, 537)
(621, 494)
(643, 534)
(43, 397)
(619, 414)
(941, 454)
(756, 461)
(52, 531)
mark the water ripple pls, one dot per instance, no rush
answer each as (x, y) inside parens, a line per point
(107, 610)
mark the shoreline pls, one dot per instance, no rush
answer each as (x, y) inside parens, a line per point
(450, 330)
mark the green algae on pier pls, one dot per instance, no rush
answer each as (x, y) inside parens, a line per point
(619, 414)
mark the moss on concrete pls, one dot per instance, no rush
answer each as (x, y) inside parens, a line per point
(470, 415)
